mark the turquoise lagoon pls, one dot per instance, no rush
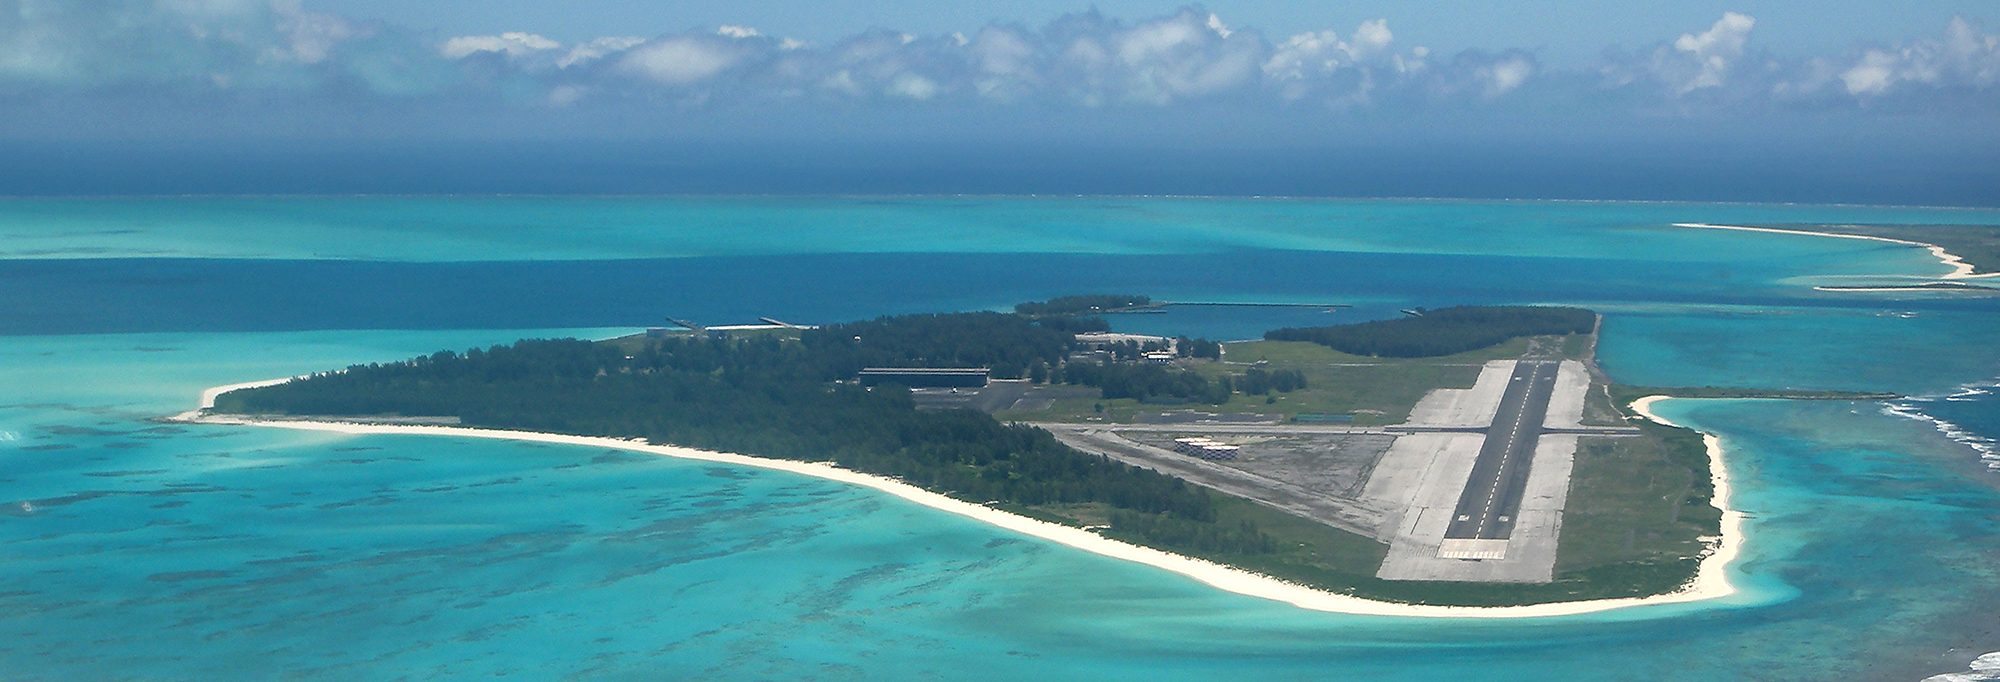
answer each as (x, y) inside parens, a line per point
(135, 549)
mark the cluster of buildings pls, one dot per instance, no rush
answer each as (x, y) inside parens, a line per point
(1206, 448)
(1106, 347)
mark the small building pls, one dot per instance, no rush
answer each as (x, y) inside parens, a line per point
(1206, 448)
(927, 377)
(1097, 356)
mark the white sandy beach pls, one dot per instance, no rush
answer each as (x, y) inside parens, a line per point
(1909, 289)
(1712, 579)
(208, 396)
(1960, 269)
(1709, 583)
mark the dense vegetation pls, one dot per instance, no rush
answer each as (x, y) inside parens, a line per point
(772, 397)
(1132, 350)
(1261, 381)
(1148, 383)
(1199, 348)
(1082, 305)
(1008, 344)
(1074, 325)
(1443, 332)
(1198, 538)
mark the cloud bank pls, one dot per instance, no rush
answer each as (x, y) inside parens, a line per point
(1083, 61)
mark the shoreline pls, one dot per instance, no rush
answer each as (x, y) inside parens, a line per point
(199, 414)
(1709, 582)
(1919, 288)
(1960, 268)
(1712, 576)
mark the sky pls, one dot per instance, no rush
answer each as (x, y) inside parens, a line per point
(1866, 102)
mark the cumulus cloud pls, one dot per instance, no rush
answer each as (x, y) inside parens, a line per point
(596, 49)
(509, 44)
(1963, 57)
(1707, 60)
(131, 41)
(1873, 76)
(1712, 53)
(913, 86)
(1370, 37)
(1705, 65)
(51, 48)
(1182, 56)
(311, 37)
(1083, 60)
(1007, 63)
(1504, 75)
(679, 60)
(1340, 70)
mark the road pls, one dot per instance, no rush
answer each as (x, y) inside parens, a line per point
(1363, 517)
(1492, 496)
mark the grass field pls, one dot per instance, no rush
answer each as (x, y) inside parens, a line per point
(1628, 502)
(1637, 510)
(1375, 390)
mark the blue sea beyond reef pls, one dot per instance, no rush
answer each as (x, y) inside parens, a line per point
(135, 549)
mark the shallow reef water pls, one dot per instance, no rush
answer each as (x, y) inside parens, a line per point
(138, 549)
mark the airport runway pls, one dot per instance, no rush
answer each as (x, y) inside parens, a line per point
(1492, 497)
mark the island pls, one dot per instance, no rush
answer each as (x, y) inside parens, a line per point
(1463, 457)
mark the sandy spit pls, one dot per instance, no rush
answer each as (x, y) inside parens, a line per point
(1960, 269)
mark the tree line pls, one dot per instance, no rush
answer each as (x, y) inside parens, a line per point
(1443, 332)
(1262, 381)
(1148, 383)
(1007, 344)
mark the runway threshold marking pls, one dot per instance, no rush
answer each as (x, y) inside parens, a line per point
(1508, 455)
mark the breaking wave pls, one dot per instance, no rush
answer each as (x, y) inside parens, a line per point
(1986, 668)
(1914, 408)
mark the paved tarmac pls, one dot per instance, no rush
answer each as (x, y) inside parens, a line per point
(1357, 515)
(1492, 497)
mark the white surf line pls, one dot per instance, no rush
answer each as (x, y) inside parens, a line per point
(1960, 269)
(1709, 583)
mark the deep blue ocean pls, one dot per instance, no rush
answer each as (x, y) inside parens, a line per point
(137, 550)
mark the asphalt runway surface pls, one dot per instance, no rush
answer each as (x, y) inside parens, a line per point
(1492, 497)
